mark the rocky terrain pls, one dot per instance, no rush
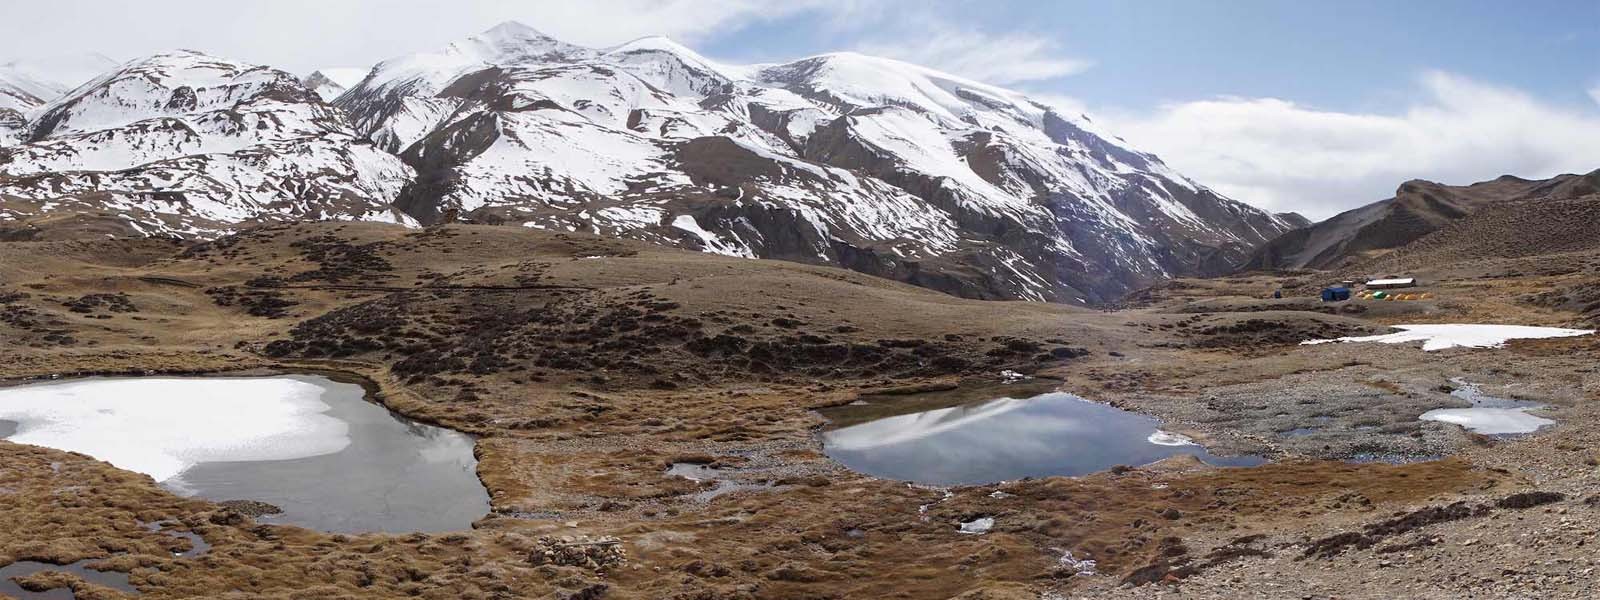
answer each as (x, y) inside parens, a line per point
(329, 84)
(587, 365)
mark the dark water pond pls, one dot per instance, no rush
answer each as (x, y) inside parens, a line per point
(1009, 435)
(396, 475)
(311, 446)
(9, 588)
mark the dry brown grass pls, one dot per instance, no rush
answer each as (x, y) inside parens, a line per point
(565, 453)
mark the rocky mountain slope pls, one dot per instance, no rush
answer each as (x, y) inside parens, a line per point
(186, 144)
(1417, 209)
(27, 84)
(877, 165)
(330, 83)
(14, 104)
(872, 164)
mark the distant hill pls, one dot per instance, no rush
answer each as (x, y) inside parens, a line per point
(1417, 209)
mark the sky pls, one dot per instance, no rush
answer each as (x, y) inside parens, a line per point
(1314, 107)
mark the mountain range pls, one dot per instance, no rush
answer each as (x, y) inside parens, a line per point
(841, 159)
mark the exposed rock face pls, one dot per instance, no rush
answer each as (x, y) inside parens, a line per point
(867, 163)
(1417, 209)
(186, 144)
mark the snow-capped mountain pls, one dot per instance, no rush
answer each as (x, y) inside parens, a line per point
(873, 164)
(867, 163)
(183, 143)
(47, 78)
(27, 84)
(15, 103)
(331, 82)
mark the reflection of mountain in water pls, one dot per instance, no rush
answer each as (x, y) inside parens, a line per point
(1050, 434)
(905, 428)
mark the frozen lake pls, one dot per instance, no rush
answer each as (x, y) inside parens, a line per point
(311, 446)
(1489, 415)
(1003, 438)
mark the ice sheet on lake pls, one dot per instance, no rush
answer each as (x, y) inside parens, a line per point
(1167, 438)
(1489, 421)
(1441, 336)
(163, 426)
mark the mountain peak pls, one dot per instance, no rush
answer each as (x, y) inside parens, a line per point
(512, 43)
(506, 38)
(514, 29)
(49, 77)
(654, 42)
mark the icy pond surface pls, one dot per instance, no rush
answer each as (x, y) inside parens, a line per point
(1489, 415)
(311, 446)
(1002, 438)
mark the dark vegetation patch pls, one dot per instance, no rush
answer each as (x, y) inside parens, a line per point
(1582, 298)
(36, 328)
(256, 302)
(339, 261)
(1208, 330)
(95, 303)
(1374, 533)
(1174, 561)
(633, 339)
(1529, 499)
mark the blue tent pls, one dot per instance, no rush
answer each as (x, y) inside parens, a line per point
(1335, 294)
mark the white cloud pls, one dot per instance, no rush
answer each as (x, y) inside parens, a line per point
(301, 35)
(1284, 156)
(992, 58)
(1594, 93)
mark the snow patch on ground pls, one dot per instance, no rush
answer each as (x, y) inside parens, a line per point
(1441, 336)
(978, 526)
(710, 242)
(162, 426)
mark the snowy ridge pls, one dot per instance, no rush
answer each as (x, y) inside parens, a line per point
(52, 76)
(330, 83)
(847, 159)
(26, 85)
(842, 159)
(182, 143)
(393, 104)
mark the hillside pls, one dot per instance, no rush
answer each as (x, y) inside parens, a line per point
(1417, 209)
